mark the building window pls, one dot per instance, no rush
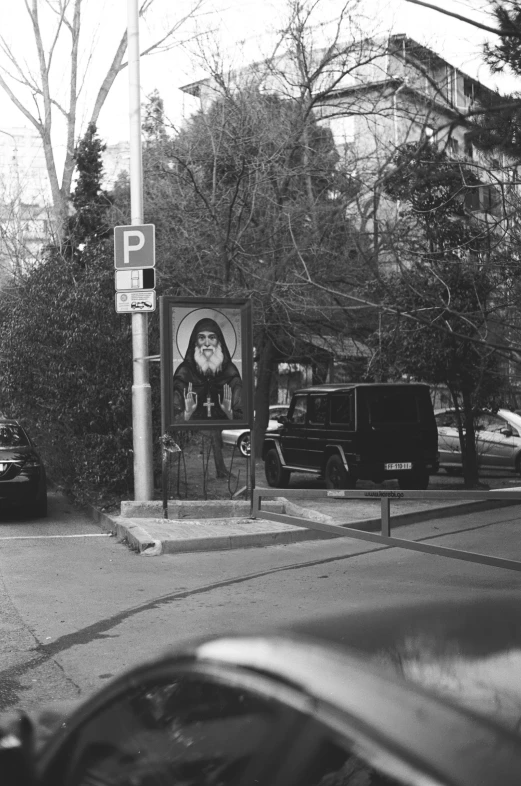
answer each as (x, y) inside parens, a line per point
(490, 200)
(461, 99)
(453, 146)
(483, 199)
(450, 84)
(468, 88)
(469, 147)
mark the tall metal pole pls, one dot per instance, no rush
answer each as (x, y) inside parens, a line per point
(141, 392)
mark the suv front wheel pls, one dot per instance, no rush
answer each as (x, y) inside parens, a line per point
(336, 476)
(276, 475)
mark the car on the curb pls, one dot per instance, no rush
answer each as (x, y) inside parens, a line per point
(343, 433)
(498, 441)
(23, 479)
(241, 437)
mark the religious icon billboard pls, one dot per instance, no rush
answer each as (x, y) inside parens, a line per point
(206, 363)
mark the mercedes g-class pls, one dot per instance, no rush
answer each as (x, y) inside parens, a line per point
(348, 432)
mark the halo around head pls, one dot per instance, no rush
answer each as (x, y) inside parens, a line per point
(187, 324)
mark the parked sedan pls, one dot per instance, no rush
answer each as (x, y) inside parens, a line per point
(241, 437)
(22, 473)
(498, 441)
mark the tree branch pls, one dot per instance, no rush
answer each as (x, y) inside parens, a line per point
(495, 30)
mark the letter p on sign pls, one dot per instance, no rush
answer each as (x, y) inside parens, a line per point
(134, 246)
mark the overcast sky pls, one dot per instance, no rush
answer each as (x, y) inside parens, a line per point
(245, 29)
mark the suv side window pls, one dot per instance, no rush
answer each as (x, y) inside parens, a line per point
(299, 411)
(317, 409)
(342, 411)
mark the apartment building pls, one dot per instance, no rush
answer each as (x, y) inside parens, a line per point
(379, 96)
(406, 94)
(374, 98)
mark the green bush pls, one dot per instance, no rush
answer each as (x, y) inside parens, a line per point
(67, 371)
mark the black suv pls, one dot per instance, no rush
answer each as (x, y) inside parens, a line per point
(349, 432)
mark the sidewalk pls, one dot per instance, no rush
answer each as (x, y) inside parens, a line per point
(225, 524)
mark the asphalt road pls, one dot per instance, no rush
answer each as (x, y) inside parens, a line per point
(77, 607)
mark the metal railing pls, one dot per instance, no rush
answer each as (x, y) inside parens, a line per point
(385, 497)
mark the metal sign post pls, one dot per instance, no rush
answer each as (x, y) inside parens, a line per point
(141, 391)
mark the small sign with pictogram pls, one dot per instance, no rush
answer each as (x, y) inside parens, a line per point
(138, 301)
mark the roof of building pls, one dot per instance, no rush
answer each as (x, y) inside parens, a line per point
(399, 44)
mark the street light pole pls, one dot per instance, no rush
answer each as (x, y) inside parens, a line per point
(141, 392)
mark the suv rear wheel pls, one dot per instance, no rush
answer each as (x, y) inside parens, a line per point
(336, 476)
(276, 475)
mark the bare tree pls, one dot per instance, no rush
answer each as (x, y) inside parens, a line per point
(265, 179)
(36, 95)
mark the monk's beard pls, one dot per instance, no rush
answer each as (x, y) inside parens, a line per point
(213, 364)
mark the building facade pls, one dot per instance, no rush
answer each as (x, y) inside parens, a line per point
(25, 197)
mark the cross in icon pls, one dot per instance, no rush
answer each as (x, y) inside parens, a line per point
(209, 404)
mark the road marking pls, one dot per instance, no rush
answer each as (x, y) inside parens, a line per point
(47, 537)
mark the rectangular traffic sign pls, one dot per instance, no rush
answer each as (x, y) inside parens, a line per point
(135, 278)
(134, 246)
(136, 302)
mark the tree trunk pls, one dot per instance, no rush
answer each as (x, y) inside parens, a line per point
(265, 367)
(220, 466)
(469, 454)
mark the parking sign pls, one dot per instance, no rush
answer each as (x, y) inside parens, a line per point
(134, 246)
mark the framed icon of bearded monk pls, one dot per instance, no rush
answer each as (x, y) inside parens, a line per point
(206, 363)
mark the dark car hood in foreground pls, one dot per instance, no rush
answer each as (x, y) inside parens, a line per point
(468, 651)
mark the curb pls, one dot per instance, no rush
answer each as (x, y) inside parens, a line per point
(134, 535)
(240, 541)
(137, 537)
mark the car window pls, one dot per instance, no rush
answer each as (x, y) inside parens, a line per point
(489, 422)
(194, 732)
(12, 436)
(337, 761)
(298, 414)
(343, 410)
(446, 420)
(317, 409)
(395, 406)
(278, 412)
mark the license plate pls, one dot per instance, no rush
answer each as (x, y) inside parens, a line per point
(398, 465)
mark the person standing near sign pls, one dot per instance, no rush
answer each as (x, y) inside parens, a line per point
(207, 384)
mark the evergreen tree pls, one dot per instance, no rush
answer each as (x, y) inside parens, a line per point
(88, 223)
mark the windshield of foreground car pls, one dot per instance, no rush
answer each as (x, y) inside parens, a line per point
(12, 436)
